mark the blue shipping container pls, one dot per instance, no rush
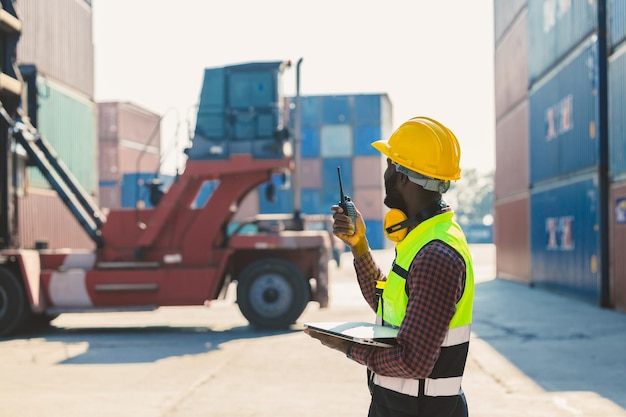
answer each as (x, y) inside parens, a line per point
(564, 235)
(616, 22)
(564, 118)
(312, 203)
(367, 109)
(253, 124)
(617, 112)
(336, 109)
(330, 179)
(311, 111)
(135, 190)
(205, 149)
(336, 141)
(363, 138)
(250, 88)
(555, 28)
(375, 234)
(210, 118)
(283, 202)
(478, 233)
(239, 103)
(310, 142)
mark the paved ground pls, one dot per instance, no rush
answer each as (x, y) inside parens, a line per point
(533, 353)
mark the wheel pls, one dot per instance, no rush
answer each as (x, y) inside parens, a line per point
(38, 321)
(272, 293)
(13, 308)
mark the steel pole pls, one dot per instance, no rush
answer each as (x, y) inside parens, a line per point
(297, 204)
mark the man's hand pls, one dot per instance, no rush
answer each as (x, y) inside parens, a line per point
(351, 234)
(332, 342)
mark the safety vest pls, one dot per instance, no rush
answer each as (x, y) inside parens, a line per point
(445, 379)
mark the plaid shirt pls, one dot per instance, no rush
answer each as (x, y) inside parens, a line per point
(435, 284)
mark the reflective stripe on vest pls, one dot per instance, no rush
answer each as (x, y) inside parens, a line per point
(445, 379)
(439, 387)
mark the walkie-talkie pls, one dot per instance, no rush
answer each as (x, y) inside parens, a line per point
(345, 203)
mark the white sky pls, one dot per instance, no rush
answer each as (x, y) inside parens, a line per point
(432, 57)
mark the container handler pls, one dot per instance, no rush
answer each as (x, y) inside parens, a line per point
(178, 253)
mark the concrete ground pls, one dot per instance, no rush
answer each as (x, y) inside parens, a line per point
(533, 353)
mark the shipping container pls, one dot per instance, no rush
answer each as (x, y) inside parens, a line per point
(369, 201)
(310, 171)
(555, 29)
(204, 149)
(367, 115)
(511, 233)
(108, 161)
(310, 111)
(564, 235)
(478, 233)
(311, 199)
(210, 120)
(368, 171)
(330, 179)
(617, 22)
(364, 135)
(129, 139)
(239, 112)
(337, 109)
(368, 108)
(617, 237)
(251, 85)
(66, 118)
(125, 121)
(386, 117)
(283, 201)
(336, 141)
(57, 37)
(110, 194)
(617, 114)
(511, 175)
(310, 142)
(136, 189)
(375, 235)
(44, 220)
(504, 13)
(510, 68)
(137, 159)
(564, 117)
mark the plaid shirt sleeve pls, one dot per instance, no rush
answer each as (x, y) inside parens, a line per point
(368, 273)
(435, 284)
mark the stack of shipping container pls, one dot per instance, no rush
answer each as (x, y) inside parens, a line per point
(237, 114)
(559, 111)
(616, 86)
(337, 131)
(511, 192)
(129, 153)
(112, 149)
(55, 54)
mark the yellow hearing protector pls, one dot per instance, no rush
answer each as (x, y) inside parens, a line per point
(392, 225)
(396, 224)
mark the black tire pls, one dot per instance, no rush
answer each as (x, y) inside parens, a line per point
(38, 321)
(272, 293)
(13, 306)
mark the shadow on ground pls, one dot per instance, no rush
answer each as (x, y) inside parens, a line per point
(561, 342)
(144, 344)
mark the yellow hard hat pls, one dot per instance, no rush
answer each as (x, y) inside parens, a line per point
(425, 146)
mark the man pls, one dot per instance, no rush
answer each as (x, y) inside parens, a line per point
(428, 294)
